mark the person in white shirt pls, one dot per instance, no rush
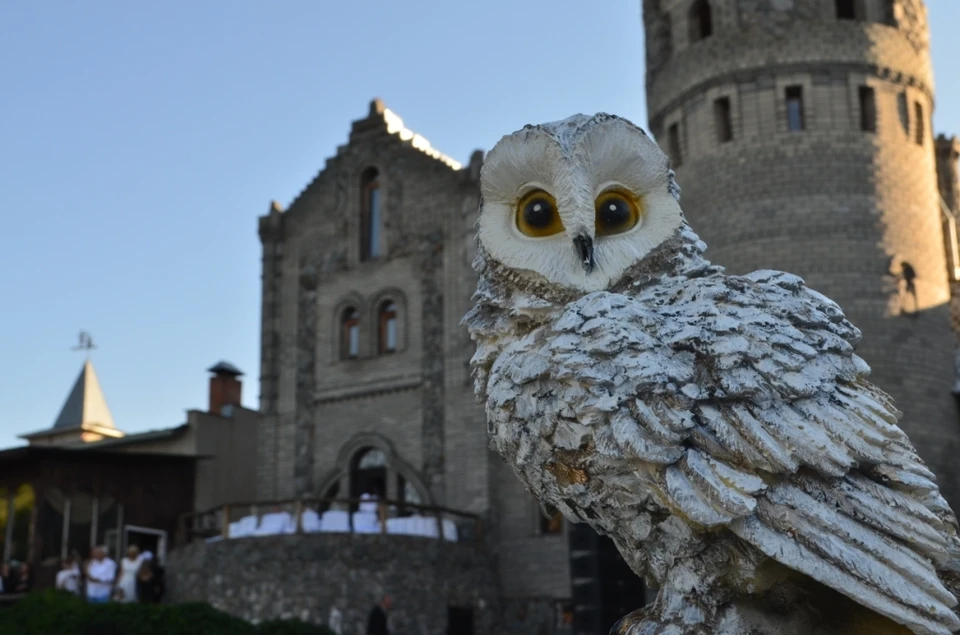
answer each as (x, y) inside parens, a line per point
(101, 575)
(68, 577)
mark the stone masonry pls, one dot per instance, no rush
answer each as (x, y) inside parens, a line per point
(848, 201)
(310, 577)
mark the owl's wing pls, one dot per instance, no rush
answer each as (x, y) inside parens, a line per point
(746, 394)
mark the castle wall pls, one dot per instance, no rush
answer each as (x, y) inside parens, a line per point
(312, 577)
(842, 206)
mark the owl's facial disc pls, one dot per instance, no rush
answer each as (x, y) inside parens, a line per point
(576, 202)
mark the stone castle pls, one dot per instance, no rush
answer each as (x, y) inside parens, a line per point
(801, 135)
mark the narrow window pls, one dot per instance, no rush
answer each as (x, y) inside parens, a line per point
(846, 9)
(902, 111)
(388, 327)
(370, 215)
(868, 109)
(795, 121)
(674, 141)
(701, 20)
(721, 113)
(350, 334)
(920, 130)
(551, 522)
(889, 16)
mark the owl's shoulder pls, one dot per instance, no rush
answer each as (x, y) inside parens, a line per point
(764, 335)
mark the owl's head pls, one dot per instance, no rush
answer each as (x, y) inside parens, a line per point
(576, 202)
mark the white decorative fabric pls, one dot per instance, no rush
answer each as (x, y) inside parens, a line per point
(335, 520)
(310, 521)
(449, 530)
(246, 526)
(366, 522)
(276, 523)
(425, 526)
(368, 503)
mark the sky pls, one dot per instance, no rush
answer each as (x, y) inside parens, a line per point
(139, 143)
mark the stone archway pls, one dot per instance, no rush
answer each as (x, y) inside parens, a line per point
(369, 461)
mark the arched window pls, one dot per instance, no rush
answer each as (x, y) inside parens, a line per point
(388, 327)
(370, 214)
(701, 20)
(888, 13)
(368, 473)
(350, 334)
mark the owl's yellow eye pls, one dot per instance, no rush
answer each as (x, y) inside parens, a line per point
(617, 211)
(537, 215)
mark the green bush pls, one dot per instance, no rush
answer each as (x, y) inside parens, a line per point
(58, 613)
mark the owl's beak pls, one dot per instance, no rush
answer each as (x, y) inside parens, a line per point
(584, 246)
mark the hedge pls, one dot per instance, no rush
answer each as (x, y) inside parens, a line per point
(59, 613)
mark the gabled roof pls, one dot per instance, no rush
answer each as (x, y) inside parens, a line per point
(379, 117)
(85, 404)
(395, 127)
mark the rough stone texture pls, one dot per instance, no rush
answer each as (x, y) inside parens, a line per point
(306, 576)
(842, 207)
(306, 379)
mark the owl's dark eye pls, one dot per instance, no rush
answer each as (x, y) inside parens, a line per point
(537, 215)
(617, 211)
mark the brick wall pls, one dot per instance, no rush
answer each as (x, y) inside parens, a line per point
(841, 206)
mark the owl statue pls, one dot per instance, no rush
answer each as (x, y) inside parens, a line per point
(719, 428)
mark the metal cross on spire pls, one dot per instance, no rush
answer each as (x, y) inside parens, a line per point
(86, 343)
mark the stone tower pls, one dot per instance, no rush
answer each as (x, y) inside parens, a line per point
(800, 131)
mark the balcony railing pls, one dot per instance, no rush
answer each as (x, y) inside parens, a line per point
(330, 515)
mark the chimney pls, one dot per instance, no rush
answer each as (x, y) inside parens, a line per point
(225, 387)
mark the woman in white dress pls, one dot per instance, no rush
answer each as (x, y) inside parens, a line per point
(126, 589)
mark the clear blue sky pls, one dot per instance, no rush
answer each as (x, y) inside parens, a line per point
(139, 142)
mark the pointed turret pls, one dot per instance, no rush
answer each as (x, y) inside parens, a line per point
(84, 416)
(85, 404)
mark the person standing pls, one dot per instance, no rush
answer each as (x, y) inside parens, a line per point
(68, 578)
(126, 590)
(101, 575)
(377, 622)
(150, 579)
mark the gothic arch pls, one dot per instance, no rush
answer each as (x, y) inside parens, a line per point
(376, 328)
(350, 301)
(370, 223)
(395, 465)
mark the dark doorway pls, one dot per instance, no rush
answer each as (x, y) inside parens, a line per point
(368, 474)
(605, 588)
(459, 620)
(146, 539)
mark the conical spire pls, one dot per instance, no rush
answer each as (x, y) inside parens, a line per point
(85, 404)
